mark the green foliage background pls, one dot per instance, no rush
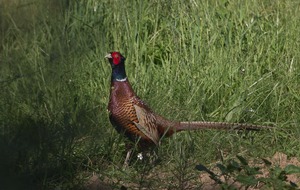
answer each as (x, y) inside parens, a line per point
(234, 61)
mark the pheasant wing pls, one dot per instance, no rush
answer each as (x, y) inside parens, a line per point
(146, 124)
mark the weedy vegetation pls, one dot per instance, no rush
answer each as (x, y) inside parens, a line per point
(210, 60)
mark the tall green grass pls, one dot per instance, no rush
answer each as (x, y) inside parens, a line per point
(234, 61)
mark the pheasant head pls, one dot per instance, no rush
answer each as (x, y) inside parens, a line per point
(117, 62)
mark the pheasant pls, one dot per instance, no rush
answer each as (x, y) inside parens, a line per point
(131, 116)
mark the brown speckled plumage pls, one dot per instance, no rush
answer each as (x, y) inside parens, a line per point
(122, 113)
(131, 116)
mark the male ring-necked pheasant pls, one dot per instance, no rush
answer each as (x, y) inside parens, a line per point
(132, 117)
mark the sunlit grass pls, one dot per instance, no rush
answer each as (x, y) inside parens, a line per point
(206, 60)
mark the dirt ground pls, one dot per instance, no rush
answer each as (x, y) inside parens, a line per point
(279, 159)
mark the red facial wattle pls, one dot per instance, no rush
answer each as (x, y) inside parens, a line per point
(116, 58)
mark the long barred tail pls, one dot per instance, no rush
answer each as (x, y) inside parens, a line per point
(196, 125)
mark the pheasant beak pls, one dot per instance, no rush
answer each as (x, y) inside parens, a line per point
(108, 56)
